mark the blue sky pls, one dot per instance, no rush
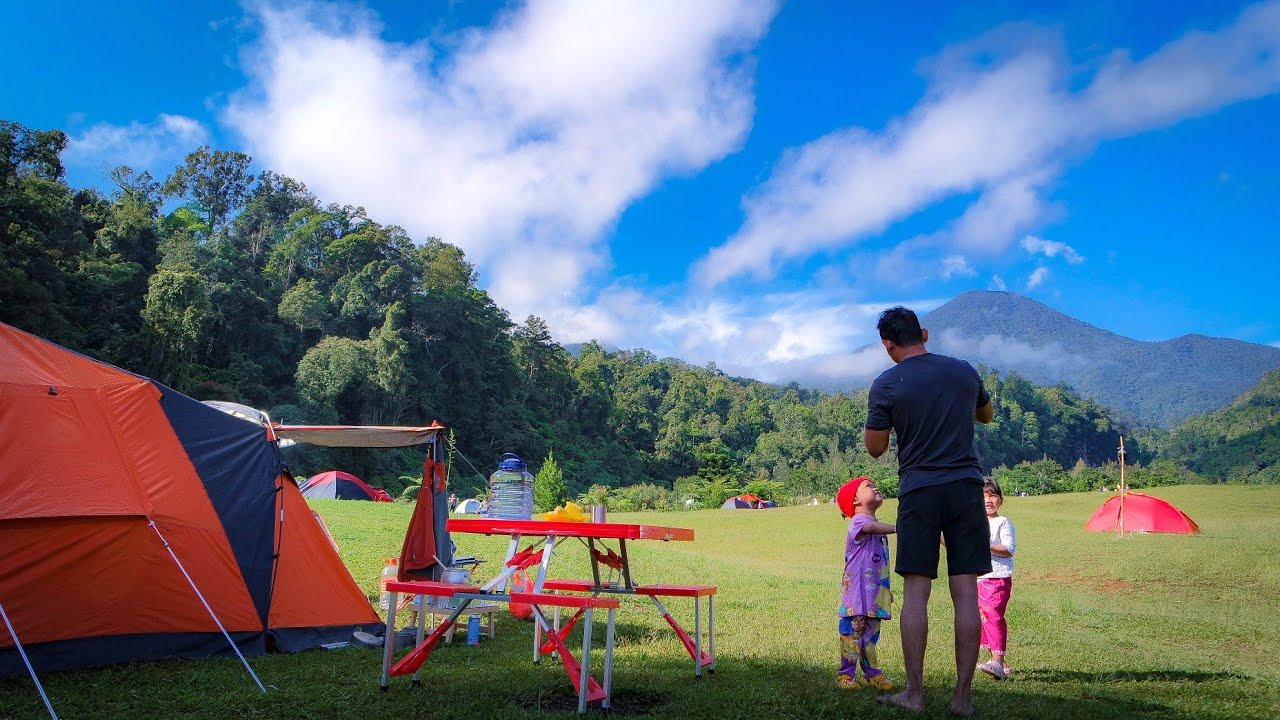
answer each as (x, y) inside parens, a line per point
(740, 182)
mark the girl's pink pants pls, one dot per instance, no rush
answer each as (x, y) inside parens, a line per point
(993, 598)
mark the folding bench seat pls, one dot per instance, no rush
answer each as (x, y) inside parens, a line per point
(412, 662)
(693, 645)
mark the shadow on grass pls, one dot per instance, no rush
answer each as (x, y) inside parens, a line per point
(1110, 676)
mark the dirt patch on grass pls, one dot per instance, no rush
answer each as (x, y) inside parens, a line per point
(1103, 584)
(1117, 586)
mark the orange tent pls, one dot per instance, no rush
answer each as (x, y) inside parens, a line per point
(137, 524)
(1138, 512)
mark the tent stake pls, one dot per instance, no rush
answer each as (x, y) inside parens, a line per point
(253, 675)
(27, 662)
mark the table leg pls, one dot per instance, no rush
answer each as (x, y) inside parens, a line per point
(595, 563)
(537, 643)
(697, 637)
(608, 662)
(421, 634)
(711, 630)
(546, 562)
(584, 674)
(389, 640)
(626, 565)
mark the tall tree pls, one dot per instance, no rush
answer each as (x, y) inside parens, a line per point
(219, 180)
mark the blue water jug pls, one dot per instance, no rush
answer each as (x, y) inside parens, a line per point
(473, 630)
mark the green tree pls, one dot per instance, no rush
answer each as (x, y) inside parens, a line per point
(303, 306)
(218, 180)
(549, 487)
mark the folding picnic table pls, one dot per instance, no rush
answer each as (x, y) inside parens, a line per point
(543, 538)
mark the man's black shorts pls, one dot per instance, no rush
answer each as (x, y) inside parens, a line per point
(951, 510)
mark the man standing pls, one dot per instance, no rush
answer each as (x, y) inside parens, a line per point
(931, 402)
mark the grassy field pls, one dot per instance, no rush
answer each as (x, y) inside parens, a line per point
(1148, 626)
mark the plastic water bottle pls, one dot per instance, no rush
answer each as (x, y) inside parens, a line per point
(390, 571)
(473, 629)
(511, 490)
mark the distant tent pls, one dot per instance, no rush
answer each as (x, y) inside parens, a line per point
(470, 506)
(338, 485)
(746, 501)
(139, 524)
(1138, 512)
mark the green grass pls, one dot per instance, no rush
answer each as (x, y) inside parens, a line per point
(1148, 626)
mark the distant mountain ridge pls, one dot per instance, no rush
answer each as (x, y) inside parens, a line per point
(1155, 383)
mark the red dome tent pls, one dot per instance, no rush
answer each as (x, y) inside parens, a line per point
(1138, 512)
(338, 485)
(139, 524)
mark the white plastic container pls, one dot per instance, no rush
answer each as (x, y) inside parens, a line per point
(390, 571)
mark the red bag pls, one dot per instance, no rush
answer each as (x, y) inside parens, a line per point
(521, 582)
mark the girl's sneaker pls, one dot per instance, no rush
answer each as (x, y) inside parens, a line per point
(879, 682)
(844, 682)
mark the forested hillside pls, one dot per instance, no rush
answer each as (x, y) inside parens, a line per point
(230, 284)
(1241, 442)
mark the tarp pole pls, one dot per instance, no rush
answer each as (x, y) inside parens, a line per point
(240, 655)
(18, 643)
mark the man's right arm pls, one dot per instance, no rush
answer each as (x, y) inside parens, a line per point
(985, 413)
(986, 409)
(877, 441)
(879, 421)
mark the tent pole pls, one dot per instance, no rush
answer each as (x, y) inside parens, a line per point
(18, 643)
(204, 602)
(1123, 487)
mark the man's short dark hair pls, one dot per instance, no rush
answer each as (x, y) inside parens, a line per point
(901, 326)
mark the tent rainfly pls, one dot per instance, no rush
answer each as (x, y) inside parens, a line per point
(1139, 512)
(139, 524)
(338, 485)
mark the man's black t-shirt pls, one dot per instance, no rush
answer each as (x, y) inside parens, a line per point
(929, 401)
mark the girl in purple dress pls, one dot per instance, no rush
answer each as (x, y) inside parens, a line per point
(865, 598)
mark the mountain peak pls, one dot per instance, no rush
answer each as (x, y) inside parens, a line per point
(1157, 383)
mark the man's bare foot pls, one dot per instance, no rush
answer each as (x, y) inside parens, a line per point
(965, 711)
(912, 702)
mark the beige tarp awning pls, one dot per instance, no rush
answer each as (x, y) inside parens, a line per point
(365, 436)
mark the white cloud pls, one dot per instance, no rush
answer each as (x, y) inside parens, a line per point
(997, 283)
(1000, 115)
(521, 146)
(817, 336)
(1051, 248)
(1044, 363)
(157, 146)
(953, 265)
(1037, 277)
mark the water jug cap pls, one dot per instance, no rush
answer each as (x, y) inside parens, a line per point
(511, 461)
(393, 561)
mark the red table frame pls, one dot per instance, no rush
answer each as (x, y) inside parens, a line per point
(547, 534)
